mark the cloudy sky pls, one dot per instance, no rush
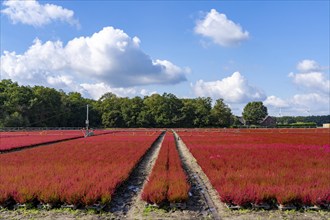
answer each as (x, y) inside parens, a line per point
(273, 51)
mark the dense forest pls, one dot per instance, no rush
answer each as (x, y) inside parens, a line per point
(38, 106)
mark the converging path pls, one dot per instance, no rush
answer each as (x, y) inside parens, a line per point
(125, 199)
(196, 207)
(201, 186)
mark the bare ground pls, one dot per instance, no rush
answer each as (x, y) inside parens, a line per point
(201, 184)
(66, 214)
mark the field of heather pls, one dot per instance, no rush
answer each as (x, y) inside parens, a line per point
(124, 172)
(265, 168)
(75, 172)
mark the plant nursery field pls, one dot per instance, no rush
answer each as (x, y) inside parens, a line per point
(78, 172)
(129, 172)
(265, 167)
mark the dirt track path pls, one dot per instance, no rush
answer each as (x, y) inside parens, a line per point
(125, 197)
(137, 206)
(196, 206)
(200, 182)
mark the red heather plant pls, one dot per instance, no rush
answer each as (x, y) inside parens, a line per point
(81, 171)
(26, 139)
(167, 182)
(178, 186)
(157, 185)
(3, 196)
(265, 166)
(156, 192)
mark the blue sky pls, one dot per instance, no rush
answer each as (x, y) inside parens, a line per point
(272, 51)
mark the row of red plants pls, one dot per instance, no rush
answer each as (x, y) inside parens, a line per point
(168, 181)
(21, 139)
(76, 172)
(273, 168)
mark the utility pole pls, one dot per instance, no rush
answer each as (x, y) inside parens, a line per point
(87, 123)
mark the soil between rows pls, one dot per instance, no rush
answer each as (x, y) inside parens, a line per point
(201, 188)
(125, 197)
(66, 214)
(197, 207)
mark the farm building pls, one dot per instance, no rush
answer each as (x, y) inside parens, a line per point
(327, 125)
(268, 121)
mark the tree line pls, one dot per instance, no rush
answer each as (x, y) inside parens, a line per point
(318, 120)
(38, 106)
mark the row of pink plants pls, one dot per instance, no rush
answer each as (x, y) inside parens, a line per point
(21, 139)
(255, 167)
(76, 172)
(167, 181)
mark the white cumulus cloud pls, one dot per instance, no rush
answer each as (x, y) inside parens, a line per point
(30, 12)
(308, 66)
(233, 89)
(311, 104)
(299, 104)
(316, 81)
(220, 29)
(277, 102)
(310, 99)
(96, 90)
(313, 96)
(311, 77)
(145, 92)
(109, 56)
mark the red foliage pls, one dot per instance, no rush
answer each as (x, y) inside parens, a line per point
(11, 140)
(20, 139)
(81, 171)
(168, 181)
(286, 166)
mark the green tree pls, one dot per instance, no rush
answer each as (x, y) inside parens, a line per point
(221, 114)
(45, 106)
(73, 110)
(171, 110)
(254, 113)
(161, 111)
(110, 107)
(203, 108)
(22, 106)
(130, 109)
(153, 113)
(14, 104)
(196, 112)
(188, 111)
(15, 120)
